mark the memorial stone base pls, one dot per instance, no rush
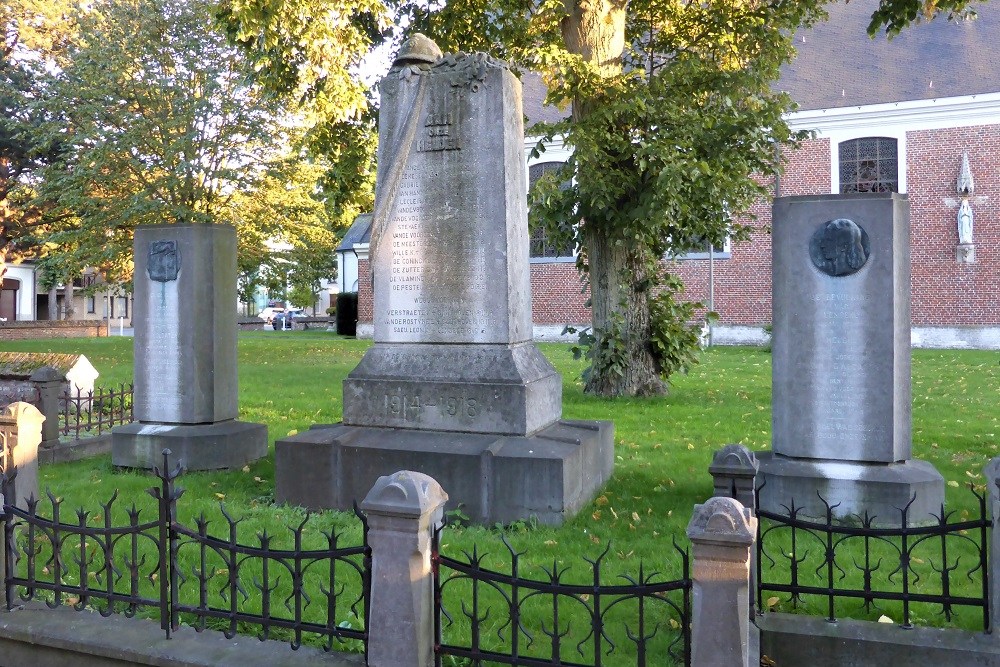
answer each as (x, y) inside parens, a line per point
(851, 489)
(222, 445)
(503, 389)
(492, 478)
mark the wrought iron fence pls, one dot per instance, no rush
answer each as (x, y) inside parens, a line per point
(497, 609)
(96, 411)
(178, 573)
(840, 560)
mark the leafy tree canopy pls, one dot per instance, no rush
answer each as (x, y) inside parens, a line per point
(173, 130)
(894, 15)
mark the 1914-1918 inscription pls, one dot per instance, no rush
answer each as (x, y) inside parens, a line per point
(840, 247)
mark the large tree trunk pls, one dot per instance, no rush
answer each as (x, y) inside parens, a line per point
(618, 283)
(53, 303)
(620, 308)
(70, 309)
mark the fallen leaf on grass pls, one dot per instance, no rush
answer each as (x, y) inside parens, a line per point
(885, 619)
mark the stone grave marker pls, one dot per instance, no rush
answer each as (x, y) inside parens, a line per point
(841, 361)
(453, 386)
(185, 353)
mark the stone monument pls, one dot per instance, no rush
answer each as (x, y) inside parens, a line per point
(185, 353)
(453, 386)
(841, 361)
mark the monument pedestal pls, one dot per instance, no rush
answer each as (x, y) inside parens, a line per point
(223, 445)
(493, 478)
(505, 389)
(851, 488)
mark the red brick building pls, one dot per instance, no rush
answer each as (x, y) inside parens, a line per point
(896, 115)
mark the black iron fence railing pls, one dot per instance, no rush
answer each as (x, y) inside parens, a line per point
(94, 412)
(508, 619)
(180, 574)
(942, 566)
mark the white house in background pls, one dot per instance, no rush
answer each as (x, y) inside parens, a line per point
(17, 292)
(353, 247)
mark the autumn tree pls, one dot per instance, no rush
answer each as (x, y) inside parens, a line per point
(172, 130)
(35, 35)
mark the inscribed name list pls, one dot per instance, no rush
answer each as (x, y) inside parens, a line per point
(441, 264)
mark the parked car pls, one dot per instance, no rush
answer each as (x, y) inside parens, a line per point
(267, 314)
(278, 321)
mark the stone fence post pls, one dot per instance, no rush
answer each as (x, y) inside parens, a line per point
(722, 533)
(734, 475)
(403, 511)
(20, 435)
(51, 384)
(992, 474)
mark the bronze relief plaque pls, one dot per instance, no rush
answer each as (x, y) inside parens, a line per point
(840, 247)
(164, 261)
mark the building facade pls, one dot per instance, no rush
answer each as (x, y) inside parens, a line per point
(918, 115)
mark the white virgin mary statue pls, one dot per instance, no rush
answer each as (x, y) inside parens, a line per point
(965, 223)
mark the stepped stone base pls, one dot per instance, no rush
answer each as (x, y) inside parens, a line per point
(466, 388)
(493, 478)
(851, 489)
(222, 445)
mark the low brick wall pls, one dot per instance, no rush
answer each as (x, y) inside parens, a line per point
(23, 330)
(321, 323)
(250, 324)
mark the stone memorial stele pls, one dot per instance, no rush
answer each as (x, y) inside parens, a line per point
(841, 362)
(185, 395)
(453, 386)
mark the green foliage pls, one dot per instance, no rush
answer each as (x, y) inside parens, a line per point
(308, 53)
(173, 131)
(24, 150)
(603, 349)
(676, 341)
(894, 15)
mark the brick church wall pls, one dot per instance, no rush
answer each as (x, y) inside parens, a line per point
(944, 292)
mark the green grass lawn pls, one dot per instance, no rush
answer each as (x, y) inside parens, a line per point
(663, 445)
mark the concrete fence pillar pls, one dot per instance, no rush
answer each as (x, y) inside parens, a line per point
(20, 435)
(50, 384)
(722, 533)
(992, 474)
(734, 474)
(403, 511)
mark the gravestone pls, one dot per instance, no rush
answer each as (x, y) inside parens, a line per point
(453, 386)
(841, 362)
(20, 437)
(185, 395)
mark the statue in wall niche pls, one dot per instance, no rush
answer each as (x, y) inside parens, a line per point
(965, 223)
